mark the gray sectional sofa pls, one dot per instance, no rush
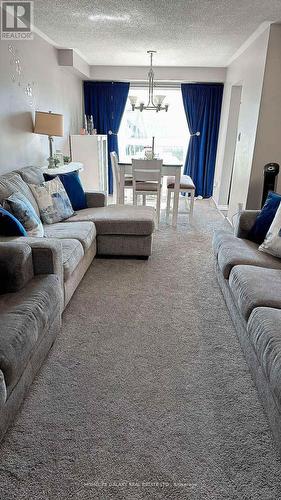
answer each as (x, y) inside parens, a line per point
(39, 275)
(250, 281)
(71, 245)
(30, 316)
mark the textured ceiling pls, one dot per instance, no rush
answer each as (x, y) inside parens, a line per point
(184, 32)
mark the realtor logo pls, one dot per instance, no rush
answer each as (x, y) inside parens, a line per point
(16, 20)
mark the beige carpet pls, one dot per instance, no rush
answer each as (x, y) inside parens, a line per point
(146, 394)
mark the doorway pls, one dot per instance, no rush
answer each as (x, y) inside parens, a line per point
(232, 139)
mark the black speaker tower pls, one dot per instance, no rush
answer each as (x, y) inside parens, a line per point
(271, 170)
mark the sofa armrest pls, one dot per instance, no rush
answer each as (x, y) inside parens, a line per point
(95, 199)
(245, 222)
(47, 256)
(16, 266)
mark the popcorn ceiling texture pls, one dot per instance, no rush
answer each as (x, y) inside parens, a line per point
(146, 393)
(185, 32)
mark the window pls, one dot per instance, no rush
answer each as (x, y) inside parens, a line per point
(169, 129)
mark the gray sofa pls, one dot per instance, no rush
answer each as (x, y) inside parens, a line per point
(30, 319)
(250, 281)
(71, 245)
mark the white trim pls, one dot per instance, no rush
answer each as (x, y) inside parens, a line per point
(220, 207)
(45, 37)
(54, 44)
(249, 41)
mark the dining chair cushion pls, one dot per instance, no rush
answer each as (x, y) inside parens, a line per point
(185, 183)
(146, 186)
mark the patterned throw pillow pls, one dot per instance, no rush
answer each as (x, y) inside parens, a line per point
(52, 200)
(22, 209)
(72, 185)
(272, 242)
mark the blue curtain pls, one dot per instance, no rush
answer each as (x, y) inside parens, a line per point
(202, 104)
(106, 102)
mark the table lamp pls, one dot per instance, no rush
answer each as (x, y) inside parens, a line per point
(50, 124)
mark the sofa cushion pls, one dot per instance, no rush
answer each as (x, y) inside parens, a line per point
(220, 237)
(85, 232)
(72, 254)
(235, 251)
(119, 219)
(13, 183)
(254, 287)
(25, 317)
(265, 334)
(31, 175)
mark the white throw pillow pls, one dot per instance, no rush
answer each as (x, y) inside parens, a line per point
(272, 242)
(52, 200)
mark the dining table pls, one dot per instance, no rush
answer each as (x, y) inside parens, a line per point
(168, 169)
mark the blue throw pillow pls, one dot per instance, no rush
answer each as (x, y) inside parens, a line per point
(73, 187)
(263, 221)
(9, 225)
(22, 209)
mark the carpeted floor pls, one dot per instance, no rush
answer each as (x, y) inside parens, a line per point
(146, 394)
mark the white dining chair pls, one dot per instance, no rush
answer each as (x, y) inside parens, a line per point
(116, 177)
(147, 181)
(186, 186)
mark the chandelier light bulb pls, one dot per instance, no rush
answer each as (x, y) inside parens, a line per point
(133, 99)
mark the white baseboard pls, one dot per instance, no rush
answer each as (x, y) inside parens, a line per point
(223, 208)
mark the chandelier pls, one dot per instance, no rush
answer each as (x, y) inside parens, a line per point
(154, 102)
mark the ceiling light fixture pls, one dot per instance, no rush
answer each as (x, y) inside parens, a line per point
(154, 103)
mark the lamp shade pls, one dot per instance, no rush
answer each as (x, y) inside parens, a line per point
(48, 124)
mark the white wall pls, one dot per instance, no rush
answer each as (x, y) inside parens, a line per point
(176, 74)
(55, 89)
(247, 70)
(222, 184)
(268, 138)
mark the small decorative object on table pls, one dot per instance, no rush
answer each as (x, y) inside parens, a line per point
(149, 151)
(59, 158)
(88, 126)
(66, 160)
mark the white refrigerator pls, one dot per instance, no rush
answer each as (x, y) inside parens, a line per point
(91, 150)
